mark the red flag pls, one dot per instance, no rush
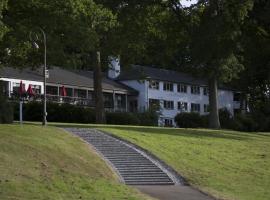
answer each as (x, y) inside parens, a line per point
(63, 91)
(21, 89)
(30, 90)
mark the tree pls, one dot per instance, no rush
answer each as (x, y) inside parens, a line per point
(254, 81)
(75, 31)
(215, 45)
(3, 28)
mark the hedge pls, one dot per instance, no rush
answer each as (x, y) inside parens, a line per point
(32, 111)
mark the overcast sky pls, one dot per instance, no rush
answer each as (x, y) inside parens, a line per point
(188, 2)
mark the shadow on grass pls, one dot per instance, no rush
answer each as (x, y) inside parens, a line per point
(198, 133)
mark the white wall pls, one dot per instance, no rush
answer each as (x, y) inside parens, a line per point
(141, 87)
(26, 82)
(225, 97)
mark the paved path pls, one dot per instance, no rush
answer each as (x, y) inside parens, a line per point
(174, 192)
(137, 168)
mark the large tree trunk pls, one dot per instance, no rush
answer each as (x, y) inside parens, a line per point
(99, 103)
(213, 104)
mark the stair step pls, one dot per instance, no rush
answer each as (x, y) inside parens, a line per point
(134, 168)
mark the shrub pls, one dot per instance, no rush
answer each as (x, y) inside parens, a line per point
(245, 122)
(33, 111)
(122, 118)
(225, 118)
(148, 118)
(6, 110)
(190, 120)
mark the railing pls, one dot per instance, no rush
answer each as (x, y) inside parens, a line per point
(70, 100)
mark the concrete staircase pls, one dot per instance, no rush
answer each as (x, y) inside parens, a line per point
(132, 166)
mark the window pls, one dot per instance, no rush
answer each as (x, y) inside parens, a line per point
(80, 93)
(236, 96)
(182, 88)
(182, 106)
(36, 89)
(205, 91)
(168, 105)
(154, 104)
(195, 107)
(133, 106)
(168, 86)
(206, 108)
(16, 88)
(51, 90)
(168, 122)
(154, 85)
(195, 89)
(108, 100)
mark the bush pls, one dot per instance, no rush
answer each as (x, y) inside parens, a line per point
(245, 123)
(225, 118)
(148, 118)
(33, 111)
(6, 111)
(122, 118)
(190, 120)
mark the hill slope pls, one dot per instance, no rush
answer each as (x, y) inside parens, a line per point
(48, 163)
(226, 164)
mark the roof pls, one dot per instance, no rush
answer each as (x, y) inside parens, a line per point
(138, 72)
(62, 76)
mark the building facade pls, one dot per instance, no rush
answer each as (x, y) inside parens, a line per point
(135, 89)
(78, 86)
(172, 92)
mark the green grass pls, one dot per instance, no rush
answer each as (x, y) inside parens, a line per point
(48, 163)
(225, 164)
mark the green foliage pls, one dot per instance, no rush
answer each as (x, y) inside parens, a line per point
(148, 118)
(215, 39)
(74, 28)
(226, 118)
(190, 120)
(3, 28)
(32, 111)
(245, 123)
(6, 110)
(122, 118)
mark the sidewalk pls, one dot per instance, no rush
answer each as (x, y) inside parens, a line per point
(173, 193)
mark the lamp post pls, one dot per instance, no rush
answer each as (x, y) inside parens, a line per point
(34, 38)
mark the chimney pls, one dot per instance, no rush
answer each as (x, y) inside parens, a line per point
(114, 67)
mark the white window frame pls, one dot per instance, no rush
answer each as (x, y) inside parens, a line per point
(182, 88)
(168, 86)
(195, 89)
(154, 85)
(183, 106)
(170, 103)
(194, 109)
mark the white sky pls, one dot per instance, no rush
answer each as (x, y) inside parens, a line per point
(187, 3)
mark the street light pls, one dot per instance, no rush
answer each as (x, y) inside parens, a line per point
(34, 38)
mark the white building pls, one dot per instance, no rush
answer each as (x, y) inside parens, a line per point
(172, 92)
(134, 90)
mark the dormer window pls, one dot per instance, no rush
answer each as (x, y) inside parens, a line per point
(154, 85)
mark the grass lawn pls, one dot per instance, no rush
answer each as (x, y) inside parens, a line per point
(48, 163)
(227, 164)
